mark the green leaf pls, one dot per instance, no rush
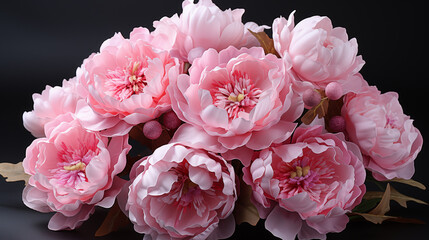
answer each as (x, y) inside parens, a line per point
(13, 172)
(366, 205)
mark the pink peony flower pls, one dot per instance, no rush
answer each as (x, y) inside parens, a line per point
(306, 187)
(318, 53)
(181, 193)
(53, 102)
(202, 26)
(72, 171)
(385, 135)
(242, 97)
(126, 84)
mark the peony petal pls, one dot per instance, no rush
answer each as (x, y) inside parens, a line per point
(61, 222)
(283, 224)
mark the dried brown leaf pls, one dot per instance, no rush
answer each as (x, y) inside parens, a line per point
(376, 219)
(410, 182)
(13, 172)
(407, 220)
(384, 205)
(244, 210)
(266, 42)
(319, 110)
(403, 199)
(394, 195)
(376, 215)
(114, 220)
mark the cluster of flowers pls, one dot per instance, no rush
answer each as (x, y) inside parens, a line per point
(206, 91)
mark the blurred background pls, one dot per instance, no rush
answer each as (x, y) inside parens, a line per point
(43, 42)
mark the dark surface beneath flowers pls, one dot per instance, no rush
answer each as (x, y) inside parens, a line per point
(18, 222)
(44, 42)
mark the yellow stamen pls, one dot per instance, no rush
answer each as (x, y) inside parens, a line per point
(136, 65)
(236, 98)
(232, 98)
(305, 170)
(298, 171)
(240, 97)
(78, 166)
(135, 88)
(132, 78)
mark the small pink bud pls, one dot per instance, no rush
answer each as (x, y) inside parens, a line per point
(311, 97)
(337, 124)
(152, 129)
(334, 91)
(170, 120)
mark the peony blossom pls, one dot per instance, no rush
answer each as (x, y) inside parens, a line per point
(319, 54)
(72, 171)
(241, 97)
(126, 84)
(202, 26)
(385, 135)
(307, 186)
(53, 102)
(181, 193)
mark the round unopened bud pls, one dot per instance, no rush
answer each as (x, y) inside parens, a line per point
(170, 120)
(334, 91)
(311, 97)
(337, 124)
(152, 129)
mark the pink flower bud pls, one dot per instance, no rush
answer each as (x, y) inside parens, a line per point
(311, 97)
(152, 129)
(334, 91)
(337, 124)
(170, 120)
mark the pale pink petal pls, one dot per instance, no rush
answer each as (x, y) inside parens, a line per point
(283, 224)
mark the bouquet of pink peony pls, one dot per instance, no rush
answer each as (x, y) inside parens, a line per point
(208, 122)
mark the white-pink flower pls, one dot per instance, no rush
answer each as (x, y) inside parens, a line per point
(202, 26)
(305, 188)
(242, 97)
(385, 135)
(72, 171)
(317, 52)
(52, 102)
(126, 83)
(181, 193)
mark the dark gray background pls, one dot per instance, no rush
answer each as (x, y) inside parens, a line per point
(43, 42)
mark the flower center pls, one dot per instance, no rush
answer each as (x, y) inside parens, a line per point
(300, 172)
(72, 164)
(123, 83)
(304, 175)
(392, 122)
(237, 95)
(80, 166)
